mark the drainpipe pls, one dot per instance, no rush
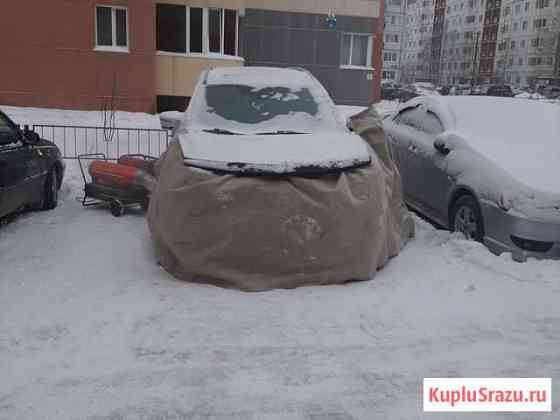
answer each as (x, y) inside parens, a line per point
(377, 60)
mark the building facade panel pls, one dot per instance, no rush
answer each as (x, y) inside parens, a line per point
(278, 38)
(51, 60)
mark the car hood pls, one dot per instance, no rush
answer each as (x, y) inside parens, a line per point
(319, 152)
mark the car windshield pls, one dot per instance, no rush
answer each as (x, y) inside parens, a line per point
(248, 105)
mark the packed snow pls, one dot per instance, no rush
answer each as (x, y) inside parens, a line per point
(125, 119)
(91, 327)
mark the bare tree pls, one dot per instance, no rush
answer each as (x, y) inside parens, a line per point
(109, 111)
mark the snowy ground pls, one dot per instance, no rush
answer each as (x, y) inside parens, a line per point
(92, 328)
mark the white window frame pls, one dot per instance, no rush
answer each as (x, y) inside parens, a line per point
(206, 36)
(114, 47)
(348, 65)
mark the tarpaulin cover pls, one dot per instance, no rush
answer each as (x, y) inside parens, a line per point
(262, 232)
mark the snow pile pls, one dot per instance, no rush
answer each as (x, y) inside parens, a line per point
(45, 116)
(527, 95)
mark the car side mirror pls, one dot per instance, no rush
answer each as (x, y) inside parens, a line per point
(441, 147)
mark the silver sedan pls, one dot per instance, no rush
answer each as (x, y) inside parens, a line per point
(487, 167)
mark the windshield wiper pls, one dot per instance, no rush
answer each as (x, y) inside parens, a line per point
(221, 131)
(279, 132)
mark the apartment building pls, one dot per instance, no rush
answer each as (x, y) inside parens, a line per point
(417, 48)
(438, 39)
(528, 51)
(462, 41)
(146, 55)
(395, 14)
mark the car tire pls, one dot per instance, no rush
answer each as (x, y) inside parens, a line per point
(50, 191)
(117, 208)
(145, 203)
(466, 218)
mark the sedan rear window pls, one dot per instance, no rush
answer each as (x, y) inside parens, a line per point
(249, 105)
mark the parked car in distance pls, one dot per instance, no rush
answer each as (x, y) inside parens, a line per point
(473, 164)
(551, 92)
(390, 91)
(31, 169)
(500, 90)
(478, 90)
(443, 90)
(406, 93)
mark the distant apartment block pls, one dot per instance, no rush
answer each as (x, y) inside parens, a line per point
(451, 42)
(395, 14)
(462, 41)
(417, 49)
(528, 50)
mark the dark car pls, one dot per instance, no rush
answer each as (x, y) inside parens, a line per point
(500, 90)
(31, 169)
(390, 91)
(551, 92)
(407, 93)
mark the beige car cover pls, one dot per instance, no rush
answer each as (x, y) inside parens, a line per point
(257, 233)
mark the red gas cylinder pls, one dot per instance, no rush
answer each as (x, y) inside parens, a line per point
(114, 175)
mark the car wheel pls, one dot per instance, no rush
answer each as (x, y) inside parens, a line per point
(145, 203)
(50, 192)
(117, 208)
(466, 218)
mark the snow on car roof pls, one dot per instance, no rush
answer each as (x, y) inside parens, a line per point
(521, 136)
(259, 77)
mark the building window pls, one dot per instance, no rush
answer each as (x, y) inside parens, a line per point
(391, 38)
(195, 30)
(356, 50)
(389, 75)
(111, 28)
(539, 23)
(389, 57)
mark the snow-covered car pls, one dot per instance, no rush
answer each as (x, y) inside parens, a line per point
(488, 167)
(31, 169)
(264, 186)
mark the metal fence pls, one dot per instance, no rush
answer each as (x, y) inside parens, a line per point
(76, 140)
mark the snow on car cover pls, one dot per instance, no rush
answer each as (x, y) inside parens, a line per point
(262, 232)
